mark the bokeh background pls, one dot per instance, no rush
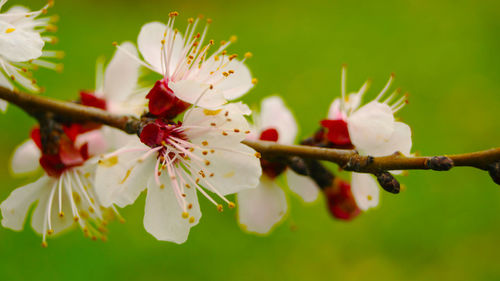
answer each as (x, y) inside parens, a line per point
(445, 226)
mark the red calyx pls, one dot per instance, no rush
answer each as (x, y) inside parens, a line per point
(67, 156)
(271, 168)
(89, 99)
(154, 134)
(337, 132)
(163, 102)
(341, 201)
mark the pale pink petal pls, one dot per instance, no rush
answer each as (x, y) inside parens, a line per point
(122, 72)
(95, 140)
(365, 190)
(16, 206)
(196, 93)
(303, 186)
(163, 217)
(121, 178)
(399, 141)
(275, 114)
(370, 126)
(19, 45)
(261, 208)
(149, 43)
(25, 158)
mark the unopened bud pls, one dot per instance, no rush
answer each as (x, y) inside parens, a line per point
(439, 163)
(388, 182)
(298, 165)
(494, 170)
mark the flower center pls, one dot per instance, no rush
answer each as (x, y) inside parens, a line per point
(163, 102)
(337, 133)
(341, 201)
(271, 168)
(63, 152)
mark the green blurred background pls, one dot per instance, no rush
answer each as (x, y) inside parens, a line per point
(445, 226)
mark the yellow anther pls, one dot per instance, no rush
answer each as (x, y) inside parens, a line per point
(44, 244)
(50, 231)
(209, 21)
(231, 205)
(190, 20)
(233, 38)
(163, 41)
(191, 220)
(50, 3)
(61, 214)
(173, 14)
(225, 74)
(258, 155)
(162, 186)
(220, 208)
(207, 162)
(248, 55)
(185, 215)
(190, 206)
(236, 130)
(51, 28)
(10, 30)
(115, 43)
(254, 81)
(76, 218)
(211, 42)
(232, 57)
(204, 143)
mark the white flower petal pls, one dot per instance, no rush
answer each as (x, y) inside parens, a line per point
(275, 114)
(95, 140)
(120, 179)
(365, 190)
(117, 139)
(235, 75)
(197, 93)
(234, 167)
(303, 186)
(16, 206)
(122, 72)
(149, 43)
(259, 209)
(238, 83)
(399, 141)
(58, 223)
(225, 124)
(370, 126)
(163, 215)
(19, 45)
(25, 158)
(334, 111)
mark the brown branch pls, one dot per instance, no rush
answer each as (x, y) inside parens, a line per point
(34, 104)
(349, 160)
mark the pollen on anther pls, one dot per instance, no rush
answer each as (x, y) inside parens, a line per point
(187, 185)
(254, 81)
(247, 132)
(207, 162)
(185, 215)
(220, 208)
(236, 130)
(191, 220)
(50, 231)
(204, 143)
(248, 55)
(44, 244)
(61, 214)
(204, 152)
(190, 206)
(258, 155)
(231, 205)
(233, 38)
(76, 218)
(224, 133)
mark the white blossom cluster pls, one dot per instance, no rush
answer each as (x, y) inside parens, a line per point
(190, 143)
